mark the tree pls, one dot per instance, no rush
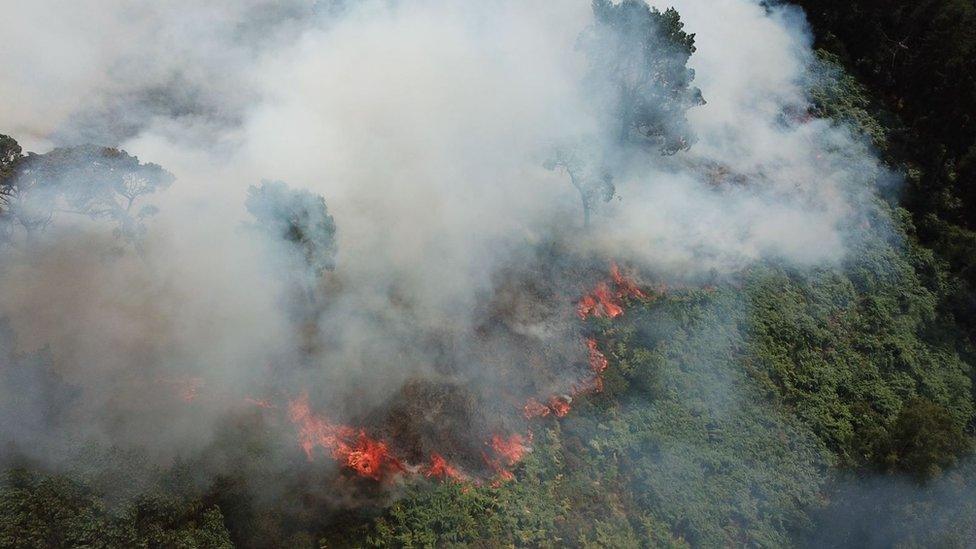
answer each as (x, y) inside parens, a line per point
(638, 57)
(97, 182)
(591, 184)
(10, 154)
(298, 217)
(642, 86)
(57, 511)
(924, 440)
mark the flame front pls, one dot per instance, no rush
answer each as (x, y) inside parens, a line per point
(354, 449)
(440, 468)
(373, 458)
(602, 302)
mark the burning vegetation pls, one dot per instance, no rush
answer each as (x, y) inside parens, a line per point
(414, 437)
(379, 459)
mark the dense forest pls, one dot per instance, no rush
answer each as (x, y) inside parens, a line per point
(669, 345)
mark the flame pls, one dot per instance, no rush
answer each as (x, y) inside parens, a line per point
(440, 468)
(354, 449)
(560, 405)
(510, 450)
(506, 452)
(598, 362)
(625, 286)
(603, 302)
(373, 459)
(533, 408)
(368, 457)
(600, 303)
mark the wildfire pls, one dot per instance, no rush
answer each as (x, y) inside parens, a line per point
(625, 286)
(368, 457)
(354, 449)
(533, 408)
(510, 450)
(603, 302)
(559, 405)
(440, 468)
(598, 362)
(372, 458)
(506, 452)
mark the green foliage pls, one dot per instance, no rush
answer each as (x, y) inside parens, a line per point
(885, 512)
(924, 440)
(96, 182)
(848, 347)
(679, 450)
(10, 154)
(54, 511)
(638, 66)
(842, 99)
(821, 406)
(919, 60)
(298, 217)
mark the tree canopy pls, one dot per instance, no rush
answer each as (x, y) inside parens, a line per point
(298, 217)
(638, 69)
(96, 182)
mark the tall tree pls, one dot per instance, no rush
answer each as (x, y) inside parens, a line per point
(298, 217)
(97, 182)
(593, 184)
(638, 68)
(639, 79)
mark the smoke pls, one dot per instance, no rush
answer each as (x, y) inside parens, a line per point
(886, 512)
(425, 125)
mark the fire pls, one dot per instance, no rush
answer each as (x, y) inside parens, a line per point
(440, 468)
(368, 457)
(506, 452)
(625, 286)
(598, 362)
(510, 450)
(533, 408)
(559, 405)
(372, 458)
(354, 449)
(603, 302)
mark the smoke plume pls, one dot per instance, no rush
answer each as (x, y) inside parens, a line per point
(458, 257)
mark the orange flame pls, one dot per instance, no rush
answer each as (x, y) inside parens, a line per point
(372, 458)
(510, 450)
(354, 449)
(440, 468)
(507, 451)
(604, 303)
(533, 408)
(560, 405)
(601, 303)
(598, 362)
(625, 286)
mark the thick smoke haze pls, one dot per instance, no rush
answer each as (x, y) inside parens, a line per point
(426, 126)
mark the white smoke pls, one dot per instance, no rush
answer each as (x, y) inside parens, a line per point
(425, 125)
